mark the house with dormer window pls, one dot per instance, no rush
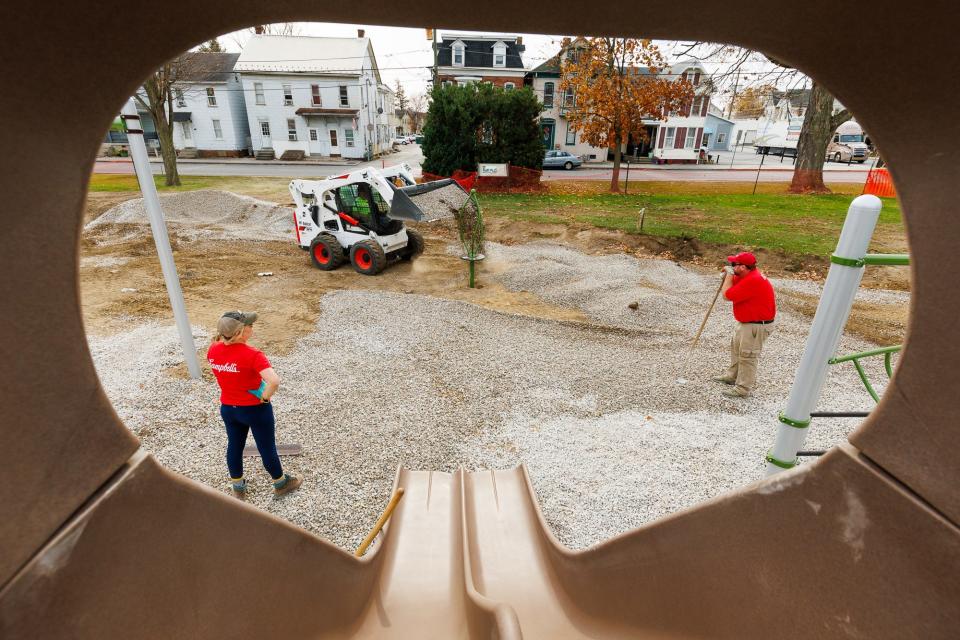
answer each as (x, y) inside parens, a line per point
(675, 139)
(496, 59)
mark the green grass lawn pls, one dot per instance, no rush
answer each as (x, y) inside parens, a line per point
(794, 224)
(719, 213)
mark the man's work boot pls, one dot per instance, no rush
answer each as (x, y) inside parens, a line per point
(724, 380)
(736, 392)
(286, 484)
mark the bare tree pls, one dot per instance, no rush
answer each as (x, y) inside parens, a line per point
(401, 97)
(159, 90)
(819, 121)
(417, 112)
(275, 29)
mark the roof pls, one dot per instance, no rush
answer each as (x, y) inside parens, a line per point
(303, 54)
(479, 51)
(549, 67)
(206, 66)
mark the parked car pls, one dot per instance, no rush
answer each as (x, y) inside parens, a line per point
(418, 139)
(411, 138)
(557, 159)
(400, 140)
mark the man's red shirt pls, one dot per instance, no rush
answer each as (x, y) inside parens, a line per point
(237, 368)
(752, 297)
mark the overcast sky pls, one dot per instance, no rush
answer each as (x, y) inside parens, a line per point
(404, 54)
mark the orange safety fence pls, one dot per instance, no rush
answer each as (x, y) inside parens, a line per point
(519, 180)
(879, 184)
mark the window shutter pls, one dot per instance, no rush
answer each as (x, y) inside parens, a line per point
(681, 138)
(696, 145)
(663, 134)
(706, 103)
(683, 76)
(696, 78)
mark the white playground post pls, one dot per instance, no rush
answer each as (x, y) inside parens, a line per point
(141, 164)
(841, 286)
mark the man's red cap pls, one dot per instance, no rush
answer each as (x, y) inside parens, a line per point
(743, 258)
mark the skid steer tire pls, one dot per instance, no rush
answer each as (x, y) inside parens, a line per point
(326, 252)
(367, 257)
(414, 245)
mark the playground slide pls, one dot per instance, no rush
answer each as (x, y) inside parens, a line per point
(821, 551)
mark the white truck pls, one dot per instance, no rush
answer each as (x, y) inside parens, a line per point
(778, 137)
(847, 144)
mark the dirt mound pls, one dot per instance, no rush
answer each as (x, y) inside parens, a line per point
(207, 214)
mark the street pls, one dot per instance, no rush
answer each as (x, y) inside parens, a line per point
(732, 167)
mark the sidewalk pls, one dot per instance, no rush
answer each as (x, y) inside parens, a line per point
(772, 163)
(325, 161)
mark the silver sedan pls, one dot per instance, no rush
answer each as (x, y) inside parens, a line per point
(557, 159)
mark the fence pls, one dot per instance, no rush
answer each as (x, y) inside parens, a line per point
(519, 180)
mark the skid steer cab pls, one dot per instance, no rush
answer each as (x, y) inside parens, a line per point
(359, 216)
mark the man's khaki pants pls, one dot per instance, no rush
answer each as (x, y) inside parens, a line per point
(745, 348)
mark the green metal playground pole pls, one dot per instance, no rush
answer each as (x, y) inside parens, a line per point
(841, 286)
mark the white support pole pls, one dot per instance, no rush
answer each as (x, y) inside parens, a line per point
(841, 286)
(141, 164)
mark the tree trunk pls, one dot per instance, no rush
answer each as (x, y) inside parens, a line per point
(818, 127)
(156, 106)
(615, 179)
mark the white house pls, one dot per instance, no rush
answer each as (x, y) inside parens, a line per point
(312, 96)
(209, 114)
(680, 137)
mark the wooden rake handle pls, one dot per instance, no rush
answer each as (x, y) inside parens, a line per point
(696, 338)
(382, 521)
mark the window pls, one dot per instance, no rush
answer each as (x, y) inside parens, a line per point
(217, 131)
(292, 130)
(211, 97)
(721, 138)
(568, 98)
(691, 138)
(548, 95)
(186, 127)
(287, 95)
(446, 83)
(347, 136)
(258, 92)
(313, 135)
(571, 135)
(499, 55)
(181, 101)
(315, 92)
(671, 134)
(705, 142)
(695, 109)
(265, 128)
(344, 98)
(333, 137)
(509, 86)
(693, 76)
(458, 54)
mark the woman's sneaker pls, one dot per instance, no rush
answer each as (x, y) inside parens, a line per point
(288, 484)
(239, 489)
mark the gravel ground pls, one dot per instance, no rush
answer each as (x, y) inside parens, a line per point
(205, 214)
(611, 438)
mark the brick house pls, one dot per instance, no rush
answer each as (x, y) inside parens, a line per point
(496, 59)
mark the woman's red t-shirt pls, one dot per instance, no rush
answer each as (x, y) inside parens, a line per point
(237, 368)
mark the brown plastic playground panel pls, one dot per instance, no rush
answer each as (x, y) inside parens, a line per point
(98, 541)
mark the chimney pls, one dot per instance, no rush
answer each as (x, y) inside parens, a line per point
(519, 39)
(258, 29)
(565, 42)
(360, 33)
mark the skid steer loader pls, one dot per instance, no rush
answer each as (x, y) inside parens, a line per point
(359, 216)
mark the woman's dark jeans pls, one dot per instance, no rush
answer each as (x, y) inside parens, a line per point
(259, 419)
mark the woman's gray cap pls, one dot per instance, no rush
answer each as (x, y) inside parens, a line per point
(232, 322)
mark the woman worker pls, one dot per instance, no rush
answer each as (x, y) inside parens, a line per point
(247, 383)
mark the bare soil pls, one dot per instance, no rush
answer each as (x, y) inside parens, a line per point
(220, 275)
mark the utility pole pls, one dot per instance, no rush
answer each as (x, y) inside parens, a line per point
(434, 33)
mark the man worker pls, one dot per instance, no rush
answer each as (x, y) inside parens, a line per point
(754, 308)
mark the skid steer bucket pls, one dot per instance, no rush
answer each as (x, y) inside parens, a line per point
(428, 201)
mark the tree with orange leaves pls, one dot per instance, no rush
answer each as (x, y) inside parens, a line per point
(611, 85)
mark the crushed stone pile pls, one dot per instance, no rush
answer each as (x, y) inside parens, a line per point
(612, 440)
(207, 214)
(441, 203)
